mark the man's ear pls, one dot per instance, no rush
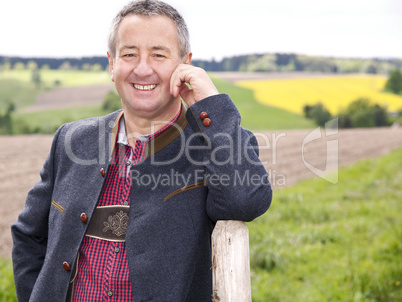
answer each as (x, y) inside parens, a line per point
(110, 58)
(187, 58)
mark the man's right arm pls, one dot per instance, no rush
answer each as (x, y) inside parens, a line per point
(30, 231)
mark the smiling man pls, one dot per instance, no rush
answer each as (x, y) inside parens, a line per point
(126, 203)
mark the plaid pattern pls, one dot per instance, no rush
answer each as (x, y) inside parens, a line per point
(102, 267)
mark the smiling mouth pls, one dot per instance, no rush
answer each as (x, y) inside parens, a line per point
(144, 87)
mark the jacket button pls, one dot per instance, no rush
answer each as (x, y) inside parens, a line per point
(203, 115)
(102, 171)
(84, 217)
(66, 266)
(206, 122)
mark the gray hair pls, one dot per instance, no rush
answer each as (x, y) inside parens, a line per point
(151, 8)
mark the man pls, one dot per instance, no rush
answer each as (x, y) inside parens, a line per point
(136, 226)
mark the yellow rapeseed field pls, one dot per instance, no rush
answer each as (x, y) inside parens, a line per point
(334, 92)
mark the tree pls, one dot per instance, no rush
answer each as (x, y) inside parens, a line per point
(394, 82)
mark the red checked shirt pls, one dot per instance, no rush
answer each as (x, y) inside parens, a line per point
(102, 266)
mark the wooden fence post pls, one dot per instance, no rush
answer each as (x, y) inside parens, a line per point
(230, 262)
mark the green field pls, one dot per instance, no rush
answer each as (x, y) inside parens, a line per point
(324, 242)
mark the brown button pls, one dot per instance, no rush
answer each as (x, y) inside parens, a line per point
(203, 115)
(66, 266)
(84, 217)
(103, 172)
(206, 122)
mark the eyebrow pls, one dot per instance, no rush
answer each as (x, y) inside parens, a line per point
(133, 47)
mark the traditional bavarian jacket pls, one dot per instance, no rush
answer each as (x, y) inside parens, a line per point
(194, 174)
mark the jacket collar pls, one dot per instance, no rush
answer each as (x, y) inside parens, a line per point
(161, 141)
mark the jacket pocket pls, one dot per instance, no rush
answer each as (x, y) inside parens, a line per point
(184, 189)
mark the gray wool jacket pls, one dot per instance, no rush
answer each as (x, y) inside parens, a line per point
(193, 175)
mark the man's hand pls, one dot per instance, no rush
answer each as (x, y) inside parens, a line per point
(201, 85)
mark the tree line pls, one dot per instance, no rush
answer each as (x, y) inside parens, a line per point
(268, 62)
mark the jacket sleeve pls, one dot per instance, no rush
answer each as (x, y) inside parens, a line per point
(30, 231)
(238, 185)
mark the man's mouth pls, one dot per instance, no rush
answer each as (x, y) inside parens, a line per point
(144, 87)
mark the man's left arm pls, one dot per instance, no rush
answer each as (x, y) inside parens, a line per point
(237, 181)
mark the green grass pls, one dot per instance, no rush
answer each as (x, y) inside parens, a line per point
(7, 291)
(66, 77)
(256, 116)
(325, 242)
(48, 121)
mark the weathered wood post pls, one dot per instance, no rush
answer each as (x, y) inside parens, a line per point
(231, 262)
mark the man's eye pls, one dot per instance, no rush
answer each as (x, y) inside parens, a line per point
(157, 55)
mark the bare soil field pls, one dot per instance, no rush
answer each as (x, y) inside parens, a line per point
(67, 97)
(289, 156)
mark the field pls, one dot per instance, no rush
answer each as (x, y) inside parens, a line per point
(334, 92)
(320, 241)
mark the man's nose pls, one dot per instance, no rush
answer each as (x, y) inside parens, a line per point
(143, 68)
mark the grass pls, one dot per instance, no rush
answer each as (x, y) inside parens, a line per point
(7, 291)
(334, 92)
(48, 121)
(325, 242)
(65, 77)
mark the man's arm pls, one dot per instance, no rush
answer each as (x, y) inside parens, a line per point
(237, 181)
(30, 231)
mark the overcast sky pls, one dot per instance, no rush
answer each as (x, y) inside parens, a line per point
(218, 28)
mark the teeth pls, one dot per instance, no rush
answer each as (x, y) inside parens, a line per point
(146, 87)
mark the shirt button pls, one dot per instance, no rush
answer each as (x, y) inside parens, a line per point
(126, 203)
(128, 163)
(103, 173)
(109, 293)
(116, 250)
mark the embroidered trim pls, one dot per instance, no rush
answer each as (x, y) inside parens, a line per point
(186, 188)
(117, 224)
(57, 206)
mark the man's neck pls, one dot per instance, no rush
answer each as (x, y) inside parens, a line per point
(137, 125)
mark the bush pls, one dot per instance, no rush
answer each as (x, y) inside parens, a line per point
(318, 112)
(111, 102)
(362, 113)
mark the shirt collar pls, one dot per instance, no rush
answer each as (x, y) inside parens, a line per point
(122, 136)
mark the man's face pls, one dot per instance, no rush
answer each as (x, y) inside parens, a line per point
(147, 53)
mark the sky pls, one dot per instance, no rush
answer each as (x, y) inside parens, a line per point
(218, 28)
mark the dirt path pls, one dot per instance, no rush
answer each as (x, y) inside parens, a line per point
(21, 158)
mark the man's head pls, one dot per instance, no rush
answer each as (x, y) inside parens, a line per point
(151, 8)
(148, 41)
